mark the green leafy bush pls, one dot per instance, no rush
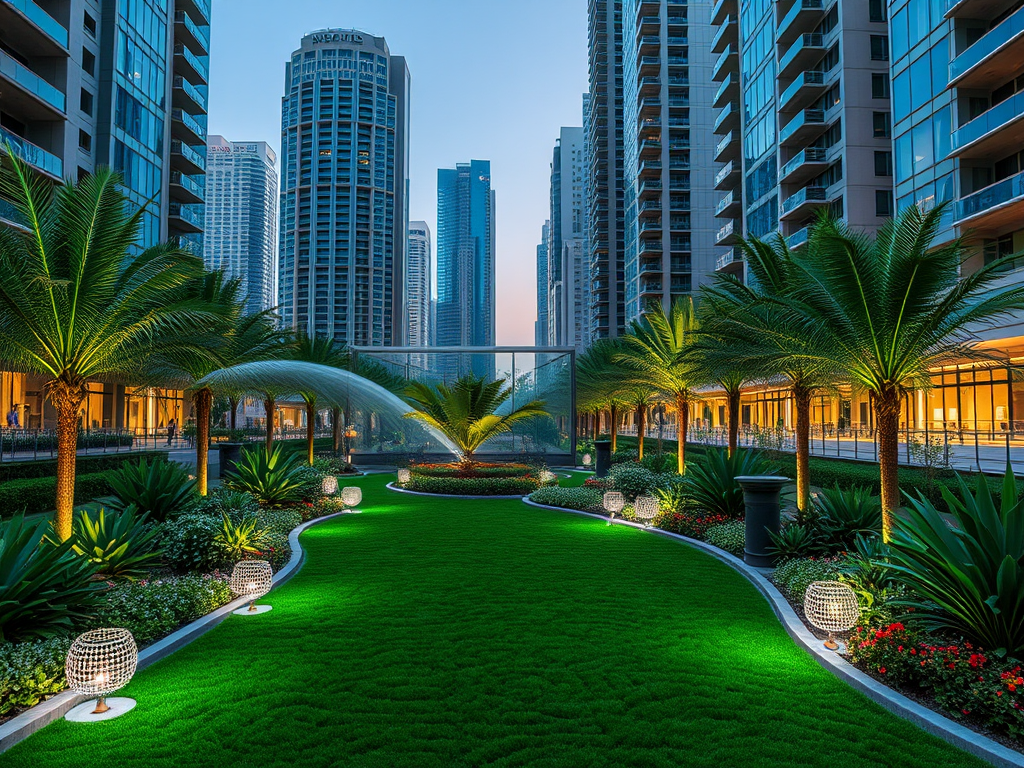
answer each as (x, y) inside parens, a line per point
(188, 543)
(625, 456)
(868, 573)
(153, 609)
(38, 494)
(729, 536)
(845, 514)
(674, 496)
(796, 540)
(968, 579)
(281, 521)
(240, 540)
(794, 576)
(694, 524)
(156, 488)
(119, 545)
(633, 479)
(475, 470)
(475, 486)
(220, 501)
(86, 465)
(661, 463)
(711, 482)
(569, 498)
(275, 479)
(45, 589)
(30, 672)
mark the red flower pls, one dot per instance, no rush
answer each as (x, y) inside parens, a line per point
(882, 670)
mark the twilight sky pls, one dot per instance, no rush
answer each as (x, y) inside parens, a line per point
(491, 80)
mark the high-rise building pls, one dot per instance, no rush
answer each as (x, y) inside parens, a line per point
(465, 262)
(241, 216)
(417, 286)
(566, 229)
(85, 84)
(602, 121)
(540, 331)
(344, 188)
(803, 118)
(669, 169)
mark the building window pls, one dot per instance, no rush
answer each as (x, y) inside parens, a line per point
(882, 127)
(89, 62)
(883, 163)
(85, 141)
(879, 85)
(877, 11)
(879, 48)
(90, 24)
(86, 102)
(883, 202)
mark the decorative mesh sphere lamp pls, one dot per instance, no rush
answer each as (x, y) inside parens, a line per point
(100, 662)
(587, 460)
(646, 509)
(329, 485)
(252, 579)
(547, 476)
(831, 606)
(614, 502)
(351, 495)
(404, 476)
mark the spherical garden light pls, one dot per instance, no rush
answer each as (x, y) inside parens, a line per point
(329, 486)
(547, 476)
(100, 662)
(646, 509)
(587, 460)
(404, 476)
(351, 495)
(831, 606)
(252, 579)
(614, 502)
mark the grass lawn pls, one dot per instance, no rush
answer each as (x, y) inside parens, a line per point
(464, 633)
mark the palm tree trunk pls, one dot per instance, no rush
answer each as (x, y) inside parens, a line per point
(802, 398)
(614, 427)
(336, 429)
(269, 406)
(233, 402)
(641, 412)
(203, 402)
(310, 417)
(887, 418)
(66, 400)
(683, 415)
(734, 419)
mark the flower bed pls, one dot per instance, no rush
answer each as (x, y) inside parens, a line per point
(476, 479)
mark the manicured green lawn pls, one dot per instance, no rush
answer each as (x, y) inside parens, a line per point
(465, 633)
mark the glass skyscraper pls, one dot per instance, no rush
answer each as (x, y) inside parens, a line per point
(344, 188)
(418, 291)
(540, 331)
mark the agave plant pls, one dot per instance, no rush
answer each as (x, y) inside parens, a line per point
(120, 545)
(239, 540)
(796, 540)
(156, 488)
(276, 479)
(845, 514)
(969, 577)
(711, 483)
(44, 590)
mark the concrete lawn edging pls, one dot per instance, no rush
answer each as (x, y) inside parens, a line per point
(928, 720)
(35, 718)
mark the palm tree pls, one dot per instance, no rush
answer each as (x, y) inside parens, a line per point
(597, 375)
(253, 337)
(322, 350)
(755, 327)
(76, 303)
(656, 348)
(891, 308)
(466, 412)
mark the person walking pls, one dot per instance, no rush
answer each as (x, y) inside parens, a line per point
(172, 430)
(12, 418)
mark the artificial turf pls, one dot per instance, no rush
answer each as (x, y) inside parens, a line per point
(441, 632)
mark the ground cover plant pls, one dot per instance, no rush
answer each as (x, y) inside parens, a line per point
(440, 632)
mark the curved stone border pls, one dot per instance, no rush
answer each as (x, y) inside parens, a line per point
(392, 487)
(926, 719)
(31, 720)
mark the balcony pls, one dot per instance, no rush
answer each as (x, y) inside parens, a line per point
(199, 10)
(677, 102)
(995, 58)
(650, 228)
(727, 149)
(649, 25)
(650, 106)
(729, 206)
(677, 61)
(995, 133)
(649, 45)
(34, 98)
(803, 166)
(729, 234)
(803, 17)
(650, 149)
(651, 169)
(191, 66)
(35, 156)
(11, 217)
(679, 223)
(803, 202)
(806, 126)
(721, 10)
(186, 128)
(650, 208)
(726, 63)
(725, 35)
(728, 119)
(648, 269)
(187, 96)
(650, 188)
(186, 159)
(807, 87)
(727, 176)
(730, 262)
(191, 33)
(677, 42)
(36, 31)
(185, 218)
(186, 189)
(798, 238)
(804, 53)
(652, 247)
(727, 91)
(649, 65)
(650, 86)
(995, 209)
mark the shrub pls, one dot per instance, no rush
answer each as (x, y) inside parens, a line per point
(157, 488)
(326, 505)
(969, 579)
(472, 470)
(153, 609)
(240, 540)
(711, 482)
(846, 514)
(275, 479)
(796, 540)
(626, 456)
(188, 542)
(793, 576)
(868, 573)
(45, 589)
(693, 524)
(660, 463)
(280, 521)
(673, 497)
(34, 495)
(222, 501)
(475, 486)
(119, 545)
(30, 672)
(729, 536)
(632, 479)
(570, 498)
(86, 465)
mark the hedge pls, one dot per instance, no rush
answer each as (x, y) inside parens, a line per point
(474, 486)
(38, 494)
(20, 470)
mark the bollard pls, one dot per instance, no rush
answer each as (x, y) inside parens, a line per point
(603, 448)
(763, 513)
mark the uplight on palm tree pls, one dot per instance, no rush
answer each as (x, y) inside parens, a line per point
(76, 303)
(467, 412)
(321, 350)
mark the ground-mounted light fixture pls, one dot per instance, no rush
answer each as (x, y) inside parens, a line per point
(587, 459)
(329, 486)
(613, 503)
(646, 509)
(404, 476)
(547, 476)
(351, 495)
(832, 607)
(252, 579)
(99, 663)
